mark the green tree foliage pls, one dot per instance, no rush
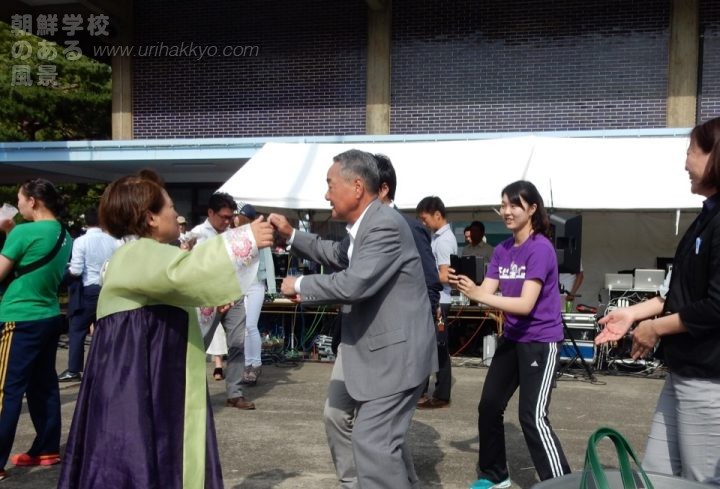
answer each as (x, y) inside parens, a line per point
(76, 105)
(81, 196)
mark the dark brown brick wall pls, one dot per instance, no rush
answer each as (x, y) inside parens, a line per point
(308, 79)
(710, 67)
(457, 66)
(498, 65)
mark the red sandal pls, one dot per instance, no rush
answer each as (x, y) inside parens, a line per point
(26, 460)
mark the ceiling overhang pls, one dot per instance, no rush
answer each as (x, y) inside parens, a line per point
(177, 161)
(207, 159)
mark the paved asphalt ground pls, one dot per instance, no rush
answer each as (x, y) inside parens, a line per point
(282, 444)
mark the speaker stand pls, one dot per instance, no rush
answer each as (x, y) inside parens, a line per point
(577, 357)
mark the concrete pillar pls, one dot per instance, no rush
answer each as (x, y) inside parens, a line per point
(122, 75)
(377, 97)
(683, 63)
(122, 123)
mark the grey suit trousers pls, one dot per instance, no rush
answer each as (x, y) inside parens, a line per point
(367, 440)
(683, 437)
(234, 323)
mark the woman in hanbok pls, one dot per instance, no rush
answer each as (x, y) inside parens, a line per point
(143, 416)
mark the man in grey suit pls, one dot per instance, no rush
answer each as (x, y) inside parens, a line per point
(388, 337)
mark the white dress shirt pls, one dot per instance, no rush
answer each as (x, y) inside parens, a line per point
(90, 252)
(203, 231)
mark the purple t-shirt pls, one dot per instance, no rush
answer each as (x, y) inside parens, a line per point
(534, 259)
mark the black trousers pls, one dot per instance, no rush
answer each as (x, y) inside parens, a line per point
(443, 377)
(531, 367)
(80, 322)
(27, 368)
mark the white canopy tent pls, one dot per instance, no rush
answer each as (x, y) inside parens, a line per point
(630, 190)
(571, 173)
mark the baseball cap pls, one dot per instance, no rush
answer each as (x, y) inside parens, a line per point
(181, 220)
(248, 211)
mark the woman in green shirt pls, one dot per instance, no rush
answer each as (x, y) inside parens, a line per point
(36, 252)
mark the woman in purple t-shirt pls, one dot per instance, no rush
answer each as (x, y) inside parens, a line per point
(524, 268)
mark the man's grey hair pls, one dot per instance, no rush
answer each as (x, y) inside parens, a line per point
(360, 164)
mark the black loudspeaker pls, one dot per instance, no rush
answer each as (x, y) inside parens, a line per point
(566, 235)
(471, 266)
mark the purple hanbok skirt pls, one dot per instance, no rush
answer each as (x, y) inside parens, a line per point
(127, 430)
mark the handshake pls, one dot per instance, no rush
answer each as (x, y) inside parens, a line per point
(275, 231)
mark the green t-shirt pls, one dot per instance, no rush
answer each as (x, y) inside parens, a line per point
(34, 295)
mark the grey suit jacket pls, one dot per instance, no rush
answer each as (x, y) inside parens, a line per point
(388, 337)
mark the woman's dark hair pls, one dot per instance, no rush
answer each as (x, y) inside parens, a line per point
(522, 190)
(44, 191)
(125, 204)
(707, 137)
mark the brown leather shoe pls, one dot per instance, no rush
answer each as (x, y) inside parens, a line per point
(240, 403)
(433, 403)
(423, 400)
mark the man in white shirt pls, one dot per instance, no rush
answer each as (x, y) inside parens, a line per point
(431, 212)
(221, 208)
(475, 244)
(90, 252)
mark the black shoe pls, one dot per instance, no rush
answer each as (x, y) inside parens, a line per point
(68, 376)
(218, 374)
